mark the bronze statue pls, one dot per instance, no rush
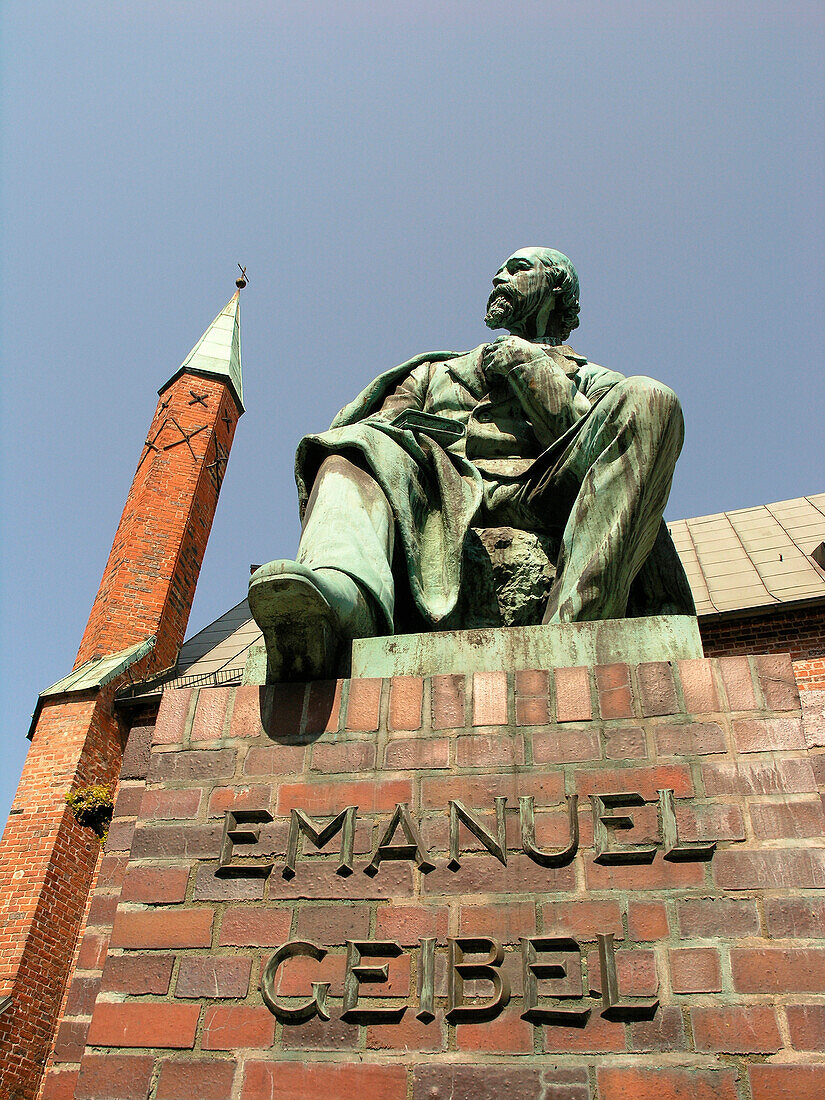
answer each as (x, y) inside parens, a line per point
(521, 433)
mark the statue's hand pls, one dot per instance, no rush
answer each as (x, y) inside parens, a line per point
(506, 352)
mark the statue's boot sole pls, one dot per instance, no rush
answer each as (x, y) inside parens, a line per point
(299, 625)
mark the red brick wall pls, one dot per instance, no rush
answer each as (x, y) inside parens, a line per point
(733, 946)
(149, 580)
(798, 631)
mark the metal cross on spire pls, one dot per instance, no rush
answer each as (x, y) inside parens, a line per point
(242, 280)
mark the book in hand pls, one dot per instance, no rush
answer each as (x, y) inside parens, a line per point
(440, 428)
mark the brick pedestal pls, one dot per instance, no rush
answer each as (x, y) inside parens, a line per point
(642, 963)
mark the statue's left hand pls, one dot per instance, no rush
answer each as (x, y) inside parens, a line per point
(505, 353)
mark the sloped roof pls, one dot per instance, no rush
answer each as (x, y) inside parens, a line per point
(218, 352)
(735, 561)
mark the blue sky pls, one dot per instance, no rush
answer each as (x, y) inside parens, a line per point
(372, 164)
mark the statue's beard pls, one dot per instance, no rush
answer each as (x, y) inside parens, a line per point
(501, 309)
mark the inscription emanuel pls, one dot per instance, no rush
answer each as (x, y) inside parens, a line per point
(401, 838)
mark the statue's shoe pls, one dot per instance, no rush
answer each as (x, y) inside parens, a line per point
(299, 621)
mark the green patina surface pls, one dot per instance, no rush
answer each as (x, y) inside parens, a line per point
(559, 645)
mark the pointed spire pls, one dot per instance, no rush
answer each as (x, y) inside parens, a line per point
(218, 352)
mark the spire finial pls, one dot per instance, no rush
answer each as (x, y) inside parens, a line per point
(242, 280)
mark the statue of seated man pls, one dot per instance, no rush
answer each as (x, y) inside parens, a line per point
(521, 432)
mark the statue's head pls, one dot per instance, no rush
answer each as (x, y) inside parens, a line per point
(535, 294)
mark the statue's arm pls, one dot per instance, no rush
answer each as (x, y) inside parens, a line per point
(550, 398)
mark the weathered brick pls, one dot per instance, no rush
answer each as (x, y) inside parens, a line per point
(507, 922)
(316, 1034)
(646, 781)
(635, 968)
(163, 928)
(333, 1080)
(137, 754)
(153, 886)
(573, 694)
(780, 868)
(324, 706)
(491, 1082)
(695, 970)
(597, 1035)
(93, 948)
(239, 798)
(646, 920)
(246, 713)
(71, 1040)
(582, 919)
(495, 750)
(778, 970)
(781, 820)
(776, 1082)
(333, 924)
(659, 875)
(615, 696)
(690, 739)
(668, 1083)
(489, 698)
(144, 1024)
(776, 678)
(715, 918)
(138, 974)
(414, 753)
(59, 1084)
(788, 776)
(569, 744)
(197, 764)
(624, 742)
(478, 792)
(115, 1076)
(799, 918)
(406, 698)
(406, 924)
(82, 994)
(177, 841)
(738, 683)
(213, 977)
(346, 757)
(806, 1024)
(532, 698)
(768, 734)
(364, 704)
(657, 688)
(666, 1031)
(282, 708)
(736, 1029)
(206, 1079)
(485, 875)
(245, 926)
(129, 796)
(698, 686)
(447, 702)
(408, 1034)
(275, 760)
(210, 713)
(173, 714)
(318, 797)
(230, 1027)
(507, 1034)
(171, 803)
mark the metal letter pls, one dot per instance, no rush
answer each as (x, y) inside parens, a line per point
(413, 849)
(675, 851)
(635, 853)
(495, 846)
(300, 823)
(355, 975)
(533, 970)
(562, 856)
(487, 969)
(235, 833)
(614, 1007)
(317, 1006)
(426, 981)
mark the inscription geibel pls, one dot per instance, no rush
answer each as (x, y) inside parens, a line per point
(552, 966)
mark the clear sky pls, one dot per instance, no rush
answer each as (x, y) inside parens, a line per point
(372, 163)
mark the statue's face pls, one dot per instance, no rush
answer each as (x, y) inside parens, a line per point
(521, 296)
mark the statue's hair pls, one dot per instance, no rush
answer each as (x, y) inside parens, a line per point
(563, 279)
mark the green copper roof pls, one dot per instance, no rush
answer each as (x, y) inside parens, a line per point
(218, 352)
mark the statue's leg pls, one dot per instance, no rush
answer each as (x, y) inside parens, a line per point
(348, 532)
(341, 585)
(618, 471)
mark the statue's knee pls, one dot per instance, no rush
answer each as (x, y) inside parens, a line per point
(647, 394)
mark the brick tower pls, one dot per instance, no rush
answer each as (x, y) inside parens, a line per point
(47, 861)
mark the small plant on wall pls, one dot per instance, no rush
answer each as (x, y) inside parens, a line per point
(92, 808)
